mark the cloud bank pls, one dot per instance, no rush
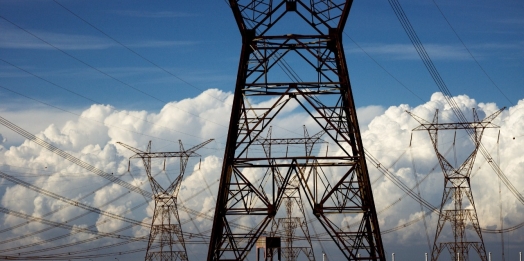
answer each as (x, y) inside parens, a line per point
(387, 134)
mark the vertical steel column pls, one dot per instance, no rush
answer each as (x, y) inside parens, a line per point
(335, 181)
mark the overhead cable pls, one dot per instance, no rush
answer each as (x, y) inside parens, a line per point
(133, 51)
(428, 63)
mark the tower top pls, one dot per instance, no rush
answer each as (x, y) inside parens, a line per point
(259, 16)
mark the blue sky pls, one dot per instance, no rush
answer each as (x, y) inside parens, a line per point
(199, 43)
(54, 67)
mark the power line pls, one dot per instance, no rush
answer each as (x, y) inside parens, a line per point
(89, 99)
(132, 51)
(71, 202)
(428, 63)
(471, 54)
(201, 235)
(83, 117)
(102, 72)
(383, 68)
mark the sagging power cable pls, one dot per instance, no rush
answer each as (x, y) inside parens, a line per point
(428, 63)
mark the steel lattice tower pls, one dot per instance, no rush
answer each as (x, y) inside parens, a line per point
(287, 227)
(166, 240)
(457, 207)
(336, 181)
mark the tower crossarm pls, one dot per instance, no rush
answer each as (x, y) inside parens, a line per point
(176, 154)
(135, 150)
(421, 120)
(183, 154)
(456, 126)
(191, 151)
(494, 115)
(435, 126)
(261, 15)
(306, 140)
(290, 141)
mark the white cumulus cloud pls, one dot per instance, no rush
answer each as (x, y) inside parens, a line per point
(387, 134)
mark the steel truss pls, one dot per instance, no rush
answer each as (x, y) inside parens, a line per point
(335, 181)
(288, 226)
(457, 190)
(166, 240)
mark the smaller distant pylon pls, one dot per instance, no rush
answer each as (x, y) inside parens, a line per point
(166, 240)
(287, 227)
(458, 208)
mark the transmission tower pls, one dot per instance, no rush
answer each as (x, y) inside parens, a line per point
(461, 210)
(307, 34)
(166, 240)
(286, 227)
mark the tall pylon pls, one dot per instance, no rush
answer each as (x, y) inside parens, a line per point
(292, 58)
(166, 240)
(458, 207)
